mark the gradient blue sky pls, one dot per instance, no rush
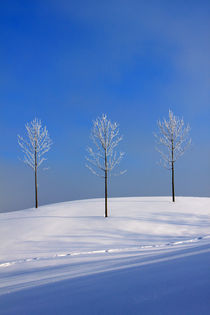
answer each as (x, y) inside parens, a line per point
(67, 62)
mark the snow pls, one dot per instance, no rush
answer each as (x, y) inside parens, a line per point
(150, 256)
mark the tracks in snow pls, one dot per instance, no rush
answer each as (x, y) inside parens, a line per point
(104, 251)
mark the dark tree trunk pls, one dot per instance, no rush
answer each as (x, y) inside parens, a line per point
(172, 170)
(36, 189)
(106, 210)
(173, 193)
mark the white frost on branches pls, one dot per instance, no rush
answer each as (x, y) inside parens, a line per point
(105, 136)
(174, 136)
(36, 144)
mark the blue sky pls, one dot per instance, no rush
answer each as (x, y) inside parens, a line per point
(67, 62)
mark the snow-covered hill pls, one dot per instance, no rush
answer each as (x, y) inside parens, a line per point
(72, 246)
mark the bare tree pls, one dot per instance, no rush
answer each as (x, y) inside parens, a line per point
(174, 137)
(34, 147)
(102, 161)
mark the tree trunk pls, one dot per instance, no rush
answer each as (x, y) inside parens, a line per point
(173, 193)
(36, 189)
(106, 211)
(172, 170)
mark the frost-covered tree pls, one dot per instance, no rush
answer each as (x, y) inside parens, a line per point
(173, 140)
(34, 146)
(102, 160)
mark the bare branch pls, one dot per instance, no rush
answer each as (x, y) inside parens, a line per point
(173, 136)
(105, 136)
(37, 141)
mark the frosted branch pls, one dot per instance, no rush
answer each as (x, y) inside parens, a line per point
(37, 142)
(172, 139)
(105, 136)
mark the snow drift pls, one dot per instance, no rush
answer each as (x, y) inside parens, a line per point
(74, 243)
